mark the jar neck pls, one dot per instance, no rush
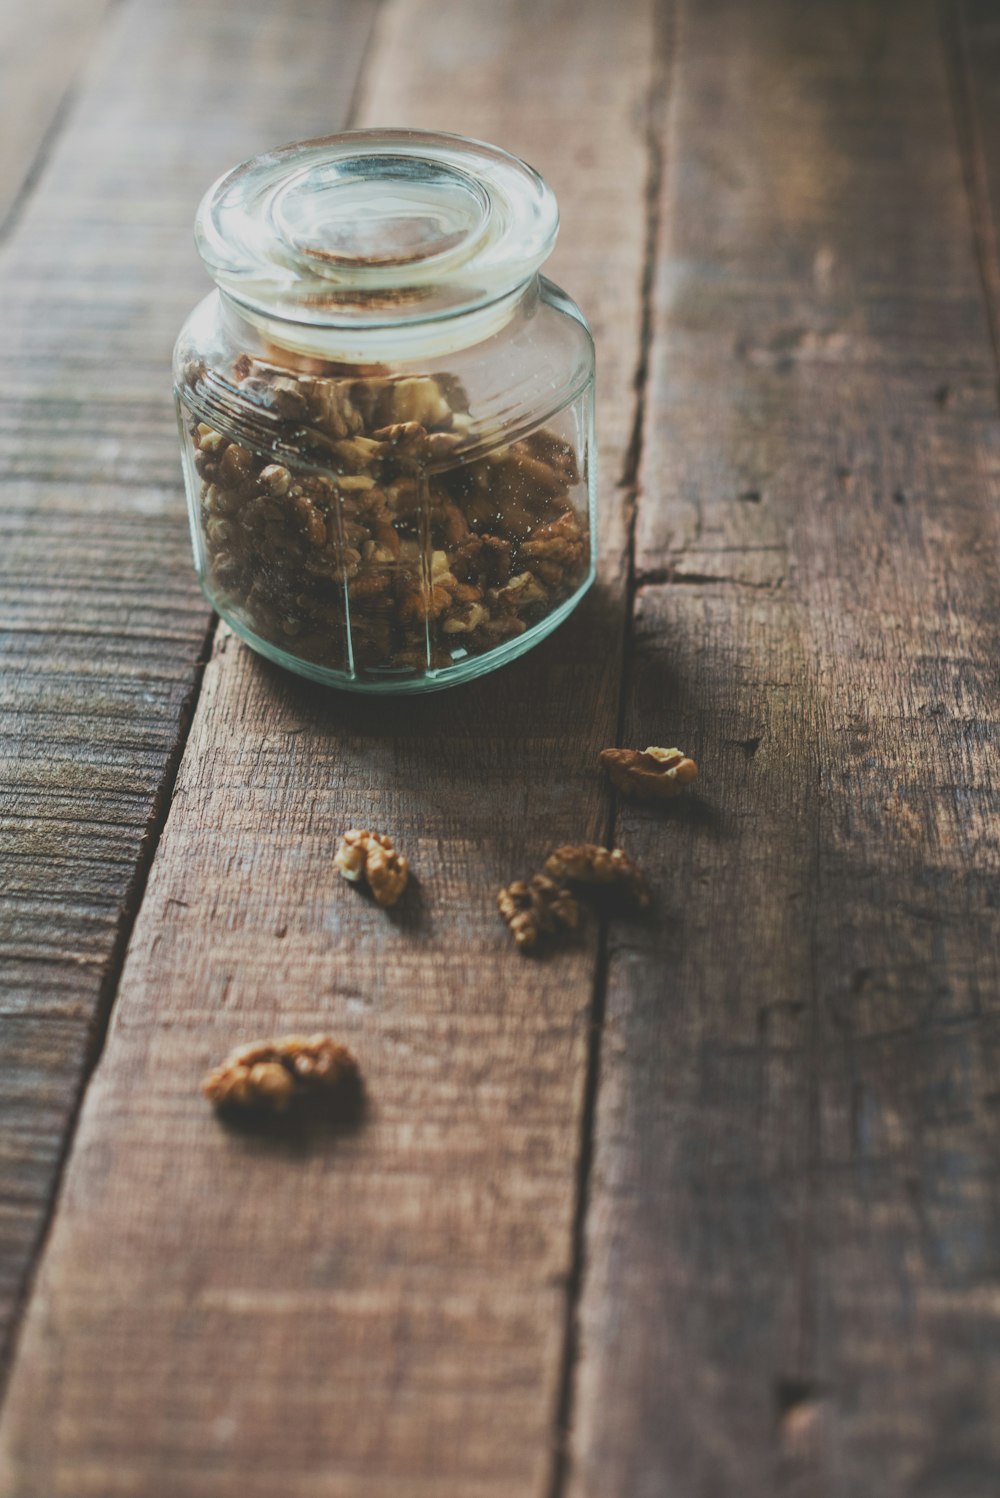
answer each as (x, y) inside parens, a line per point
(404, 342)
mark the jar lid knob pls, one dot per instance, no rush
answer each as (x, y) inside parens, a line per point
(376, 227)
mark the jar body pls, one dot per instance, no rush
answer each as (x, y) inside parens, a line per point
(393, 518)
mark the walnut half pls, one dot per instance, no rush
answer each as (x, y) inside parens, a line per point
(371, 858)
(589, 863)
(535, 907)
(269, 1074)
(650, 774)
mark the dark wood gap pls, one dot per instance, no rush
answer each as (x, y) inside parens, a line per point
(40, 161)
(983, 228)
(101, 1017)
(51, 133)
(656, 148)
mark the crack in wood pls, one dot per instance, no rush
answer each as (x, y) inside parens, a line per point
(656, 152)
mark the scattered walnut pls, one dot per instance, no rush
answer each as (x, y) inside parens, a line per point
(270, 1074)
(537, 906)
(650, 774)
(371, 858)
(589, 863)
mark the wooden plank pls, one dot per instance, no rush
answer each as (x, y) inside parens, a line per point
(792, 1244)
(381, 1313)
(101, 623)
(42, 49)
(975, 37)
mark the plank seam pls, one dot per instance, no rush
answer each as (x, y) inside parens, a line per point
(46, 145)
(101, 1019)
(628, 485)
(986, 251)
(52, 134)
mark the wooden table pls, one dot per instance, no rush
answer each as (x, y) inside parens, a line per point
(704, 1205)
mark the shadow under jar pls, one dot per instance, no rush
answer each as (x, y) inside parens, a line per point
(386, 413)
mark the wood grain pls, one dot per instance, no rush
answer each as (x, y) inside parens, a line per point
(974, 33)
(792, 1248)
(380, 1312)
(101, 623)
(43, 47)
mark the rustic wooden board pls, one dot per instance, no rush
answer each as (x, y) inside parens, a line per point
(974, 35)
(42, 49)
(101, 623)
(792, 1247)
(382, 1312)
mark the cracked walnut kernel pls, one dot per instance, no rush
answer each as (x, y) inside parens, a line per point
(535, 907)
(651, 774)
(371, 858)
(270, 1074)
(591, 864)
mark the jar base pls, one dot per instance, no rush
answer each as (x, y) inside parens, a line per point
(402, 684)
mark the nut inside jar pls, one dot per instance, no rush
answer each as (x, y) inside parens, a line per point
(372, 529)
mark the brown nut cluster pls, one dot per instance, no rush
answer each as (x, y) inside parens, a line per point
(545, 904)
(379, 518)
(538, 906)
(651, 774)
(268, 1075)
(591, 864)
(371, 858)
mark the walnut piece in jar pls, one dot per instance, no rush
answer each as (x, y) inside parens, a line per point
(651, 774)
(371, 858)
(269, 1075)
(591, 864)
(536, 907)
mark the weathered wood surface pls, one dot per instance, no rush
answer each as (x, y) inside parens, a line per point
(101, 623)
(383, 1312)
(793, 1197)
(792, 1247)
(43, 47)
(975, 42)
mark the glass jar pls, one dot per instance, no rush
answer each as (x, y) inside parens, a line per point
(386, 413)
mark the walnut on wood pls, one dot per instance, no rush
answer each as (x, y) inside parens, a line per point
(269, 1074)
(651, 774)
(535, 907)
(371, 858)
(590, 864)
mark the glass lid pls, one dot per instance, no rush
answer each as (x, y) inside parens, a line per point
(376, 227)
